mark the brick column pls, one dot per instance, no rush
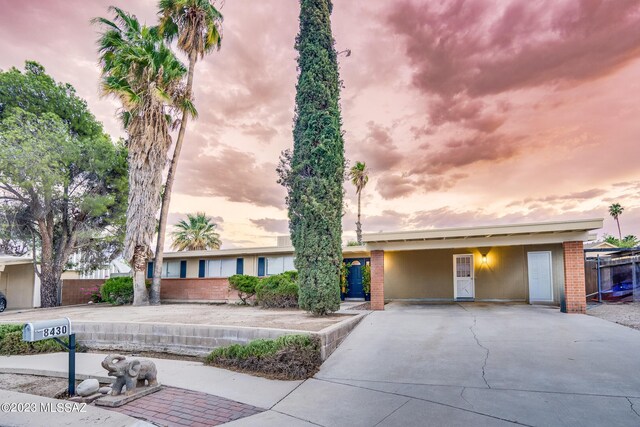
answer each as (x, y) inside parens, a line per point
(377, 280)
(574, 288)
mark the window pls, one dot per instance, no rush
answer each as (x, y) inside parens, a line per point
(171, 269)
(221, 267)
(279, 264)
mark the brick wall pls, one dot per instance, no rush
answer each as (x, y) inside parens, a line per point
(73, 290)
(204, 289)
(377, 280)
(574, 282)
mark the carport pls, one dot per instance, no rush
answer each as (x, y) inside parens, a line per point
(18, 282)
(535, 263)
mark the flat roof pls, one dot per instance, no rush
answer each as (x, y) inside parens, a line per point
(268, 250)
(14, 260)
(486, 231)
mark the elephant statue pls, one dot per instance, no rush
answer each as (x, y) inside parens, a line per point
(131, 373)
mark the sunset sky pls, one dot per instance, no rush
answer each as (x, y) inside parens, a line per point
(466, 112)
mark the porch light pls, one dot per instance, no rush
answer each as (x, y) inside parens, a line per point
(356, 262)
(484, 258)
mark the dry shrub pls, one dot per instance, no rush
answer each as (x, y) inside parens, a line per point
(290, 357)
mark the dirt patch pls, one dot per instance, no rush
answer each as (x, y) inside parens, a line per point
(625, 313)
(33, 384)
(198, 314)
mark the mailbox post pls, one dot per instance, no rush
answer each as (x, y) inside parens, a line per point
(46, 329)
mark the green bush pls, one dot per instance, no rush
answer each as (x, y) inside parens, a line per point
(11, 342)
(278, 291)
(286, 357)
(245, 285)
(366, 278)
(117, 290)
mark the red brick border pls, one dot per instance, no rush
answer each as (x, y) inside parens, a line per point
(178, 407)
(574, 283)
(377, 280)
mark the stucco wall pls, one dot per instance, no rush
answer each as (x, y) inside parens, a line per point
(428, 274)
(16, 282)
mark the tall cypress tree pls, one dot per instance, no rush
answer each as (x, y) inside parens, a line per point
(316, 173)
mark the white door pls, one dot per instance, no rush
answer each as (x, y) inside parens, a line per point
(463, 286)
(540, 279)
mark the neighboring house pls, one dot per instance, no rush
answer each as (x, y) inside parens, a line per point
(117, 267)
(19, 282)
(601, 249)
(535, 263)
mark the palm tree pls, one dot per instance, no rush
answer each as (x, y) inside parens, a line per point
(359, 175)
(615, 210)
(146, 77)
(196, 24)
(197, 233)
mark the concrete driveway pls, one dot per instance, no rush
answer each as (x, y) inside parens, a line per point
(472, 364)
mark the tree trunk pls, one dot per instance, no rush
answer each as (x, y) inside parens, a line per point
(139, 264)
(166, 196)
(48, 280)
(358, 224)
(619, 232)
(49, 284)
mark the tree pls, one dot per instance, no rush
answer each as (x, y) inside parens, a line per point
(359, 175)
(615, 210)
(195, 23)
(15, 232)
(140, 70)
(62, 179)
(629, 241)
(197, 233)
(313, 173)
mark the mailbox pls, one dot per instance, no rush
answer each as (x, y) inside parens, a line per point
(37, 331)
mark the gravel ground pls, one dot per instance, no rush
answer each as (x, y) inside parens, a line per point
(32, 384)
(627, 313)
(199, 314)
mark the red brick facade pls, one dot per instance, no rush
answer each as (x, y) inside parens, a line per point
(574, 283)
(377, 280)
(205, 289)
(78, 291)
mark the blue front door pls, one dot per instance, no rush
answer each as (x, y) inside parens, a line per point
(355, 278)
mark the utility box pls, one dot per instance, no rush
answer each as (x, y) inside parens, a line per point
(38, 331)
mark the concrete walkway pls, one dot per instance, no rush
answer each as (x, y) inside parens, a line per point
(472, 364)
(255, 391)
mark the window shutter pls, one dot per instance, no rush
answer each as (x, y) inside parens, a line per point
(183, 269)
(150, 270)
(201, 268)
(240, 266)
(260, 266)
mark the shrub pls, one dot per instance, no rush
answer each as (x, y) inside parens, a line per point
(279, 291)
(366, 278)
(245, 285)
(344, 277)
(117, 290)
(11, 342)
(92, 293)
(289, 357)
